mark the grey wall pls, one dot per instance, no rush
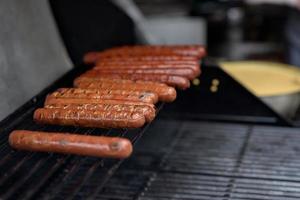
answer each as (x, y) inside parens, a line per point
(32, 55)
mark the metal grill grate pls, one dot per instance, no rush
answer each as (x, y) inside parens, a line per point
(211, 161)
(32, 175)
(175, 160)
(23, 174)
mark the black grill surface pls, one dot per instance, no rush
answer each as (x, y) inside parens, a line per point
(174, 160)
(24, 174)
(32, 175)
(205, 160)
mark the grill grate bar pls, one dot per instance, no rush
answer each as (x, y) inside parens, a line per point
(56, 188)
(29, 194)
(36, 167)
(83, 181)
(223, 168)
(10, 192)
(10, 156)
(93, 194)
(32, 173)
(12, 170)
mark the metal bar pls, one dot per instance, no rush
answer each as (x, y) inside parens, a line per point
(21, 181)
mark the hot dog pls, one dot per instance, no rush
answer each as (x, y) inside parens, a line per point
(66, 143)
(130, 61)
(183, 72)
(164, 92)
(54, 100)
(143, 96)
(89, 118)
(185, 50)
(176, 81)
(171, 52)
(93, 57)
(188, 70)
(147, 111)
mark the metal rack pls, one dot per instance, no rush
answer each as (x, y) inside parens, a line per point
(176, 159)
(209, 160)
(24, 174)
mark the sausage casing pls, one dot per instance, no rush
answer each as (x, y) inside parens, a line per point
(89, 118)
(143, 96)
(54, 100)
(66, 143)
(136, 61)
(164, 92)
(176, 81)
(184, 72)
(147, 111)
(150, 65)
(94, 57)
(184, 50)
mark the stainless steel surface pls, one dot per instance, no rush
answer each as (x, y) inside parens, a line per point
(286, 105)
(32, 55)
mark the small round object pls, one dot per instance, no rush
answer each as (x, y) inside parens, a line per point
(196, 82)
(215, 82)
(213, 88)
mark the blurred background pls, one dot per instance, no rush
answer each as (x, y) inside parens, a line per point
(257, 42)
(236, 33)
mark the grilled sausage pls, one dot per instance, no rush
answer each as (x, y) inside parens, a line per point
(89, 118)
(176, 81)
(183, 72)
(143, 96)
(129, 61)
(186, 70)
(93, 57)
(66, 143)
(185, 50)
(193, 48)
(150, 52)
(107, 79)
(147, 111)
(53, 100)
(164, 92)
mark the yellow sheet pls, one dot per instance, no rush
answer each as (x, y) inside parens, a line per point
(265, 78)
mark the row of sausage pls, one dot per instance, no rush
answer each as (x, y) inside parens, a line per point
(120, 91)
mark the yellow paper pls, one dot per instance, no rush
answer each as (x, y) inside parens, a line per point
(265, 78)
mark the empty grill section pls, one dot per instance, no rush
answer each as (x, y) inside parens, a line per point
(183, 186)
(125, 185)
(207, 148)
(272, 153)
(206, 160)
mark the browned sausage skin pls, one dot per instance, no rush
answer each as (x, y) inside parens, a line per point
(143, 61)
(149, 52)
(147, 111)
(183, 72)
(94, 57)
(89, 118)
(66, 143)
(164, 92)
(168, 50)
(150, 65)
(54, 100)
(175, 81)
(142, 96)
